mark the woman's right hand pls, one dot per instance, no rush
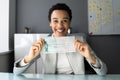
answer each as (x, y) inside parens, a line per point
(34, 50)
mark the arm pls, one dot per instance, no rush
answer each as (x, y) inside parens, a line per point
(19, 69)
(30, 58)
(85, 50)
(99, 67)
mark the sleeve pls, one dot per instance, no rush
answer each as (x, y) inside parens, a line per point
(100, 67)
(22, 63)
(20, 67)
(97, 65)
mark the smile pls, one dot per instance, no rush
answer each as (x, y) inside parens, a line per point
(60, 30)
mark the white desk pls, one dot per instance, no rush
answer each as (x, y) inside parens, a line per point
(11, 76)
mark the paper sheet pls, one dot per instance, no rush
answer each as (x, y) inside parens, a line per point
(59, 44)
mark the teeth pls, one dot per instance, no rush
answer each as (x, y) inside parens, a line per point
(60, 30)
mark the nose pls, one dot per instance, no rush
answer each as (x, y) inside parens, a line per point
(60, 24)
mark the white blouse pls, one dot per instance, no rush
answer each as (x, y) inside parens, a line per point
(63, 65)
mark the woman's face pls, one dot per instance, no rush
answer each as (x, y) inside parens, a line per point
(60, 22)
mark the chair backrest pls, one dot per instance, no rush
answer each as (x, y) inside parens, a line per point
(22, 44)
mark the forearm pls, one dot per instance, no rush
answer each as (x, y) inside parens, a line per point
(99, 67)
(92, 59)
(20, 67)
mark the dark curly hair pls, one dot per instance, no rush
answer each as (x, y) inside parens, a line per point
(60, 6)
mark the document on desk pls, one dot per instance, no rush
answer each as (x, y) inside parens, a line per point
(59, 45)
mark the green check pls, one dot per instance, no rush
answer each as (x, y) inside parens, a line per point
(59, 45)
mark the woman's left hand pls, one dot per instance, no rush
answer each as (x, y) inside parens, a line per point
(84, 50)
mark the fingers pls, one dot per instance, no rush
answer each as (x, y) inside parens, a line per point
(35, 49)
(78, 43)
(80, 46)
(37, 46)
(41, 41)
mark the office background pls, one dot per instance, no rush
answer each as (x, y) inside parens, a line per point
(33, 14)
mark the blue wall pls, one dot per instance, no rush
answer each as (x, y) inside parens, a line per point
(34, 14)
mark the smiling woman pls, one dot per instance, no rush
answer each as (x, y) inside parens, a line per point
(64, 62)
(60, 22)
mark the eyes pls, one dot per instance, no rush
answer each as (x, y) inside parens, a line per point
(62, 21)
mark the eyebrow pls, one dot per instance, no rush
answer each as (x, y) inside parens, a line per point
(62, 18)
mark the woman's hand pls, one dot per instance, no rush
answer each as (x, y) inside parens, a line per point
(34, 50)
(84, 50)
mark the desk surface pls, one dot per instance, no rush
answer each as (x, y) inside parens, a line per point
(11, 76)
